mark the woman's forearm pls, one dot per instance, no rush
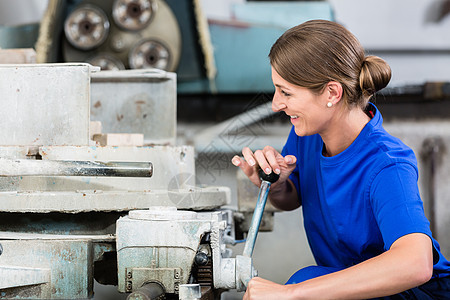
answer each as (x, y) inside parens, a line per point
(284, 195)
(407, 264)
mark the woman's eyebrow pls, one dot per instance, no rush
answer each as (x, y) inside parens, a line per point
(281, 86)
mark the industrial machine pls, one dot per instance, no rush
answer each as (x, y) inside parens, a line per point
(79, 205)
(121, 205)
(82, 207)
(209, 56)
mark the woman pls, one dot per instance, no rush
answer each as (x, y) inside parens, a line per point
(357, 185)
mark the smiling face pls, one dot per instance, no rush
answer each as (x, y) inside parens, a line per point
(308, 111)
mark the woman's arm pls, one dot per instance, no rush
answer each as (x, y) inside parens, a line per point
(283, 193)
(284, 196)
(407, 264)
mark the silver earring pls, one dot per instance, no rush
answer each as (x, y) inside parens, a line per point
(329, 104)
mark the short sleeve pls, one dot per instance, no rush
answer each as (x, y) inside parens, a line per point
(396, 203)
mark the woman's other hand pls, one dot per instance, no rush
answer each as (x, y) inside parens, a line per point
(260, 289)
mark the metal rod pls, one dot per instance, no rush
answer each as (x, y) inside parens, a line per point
(256, 219)
(29, 167)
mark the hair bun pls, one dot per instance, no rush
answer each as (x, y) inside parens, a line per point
(375, 75)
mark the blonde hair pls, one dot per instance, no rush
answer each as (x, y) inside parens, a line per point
(318, 51)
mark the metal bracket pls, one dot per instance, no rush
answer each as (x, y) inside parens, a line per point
(137, 277)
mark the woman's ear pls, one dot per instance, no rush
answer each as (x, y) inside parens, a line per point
(334, 92)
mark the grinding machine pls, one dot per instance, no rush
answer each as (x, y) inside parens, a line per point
(77, 207)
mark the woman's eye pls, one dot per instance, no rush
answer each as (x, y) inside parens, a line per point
(285, 94)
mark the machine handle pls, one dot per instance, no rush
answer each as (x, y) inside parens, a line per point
(272, 177)
(266, 181)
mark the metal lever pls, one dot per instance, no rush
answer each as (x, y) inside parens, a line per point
(244, 267)
(29, 167)
(266, 181)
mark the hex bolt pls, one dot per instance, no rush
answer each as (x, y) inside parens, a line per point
(129, 286)
(176, 275)
(129, 275)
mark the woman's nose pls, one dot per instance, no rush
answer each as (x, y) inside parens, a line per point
(277, 104)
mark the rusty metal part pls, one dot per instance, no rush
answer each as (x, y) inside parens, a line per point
(29, 167)
(204, 274)
(208, 293)
(86, 27)
(106, 61)
(133, 14)
(203, 268)
(162, 26)
(150, 53)
(149, 291)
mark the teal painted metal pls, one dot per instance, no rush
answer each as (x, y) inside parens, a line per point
(241, 46)
(282, 14)
(241, 58)
(22, 36)
(68, 263)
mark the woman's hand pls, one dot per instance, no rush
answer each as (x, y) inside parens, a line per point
(268, 160)
(261, 289)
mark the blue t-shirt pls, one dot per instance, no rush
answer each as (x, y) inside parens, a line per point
(359, 202)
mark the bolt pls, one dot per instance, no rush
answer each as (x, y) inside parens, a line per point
(201, 258)
(1, 249)
(176, 286)
(176, 275)
(129, 275)
(129, 285)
